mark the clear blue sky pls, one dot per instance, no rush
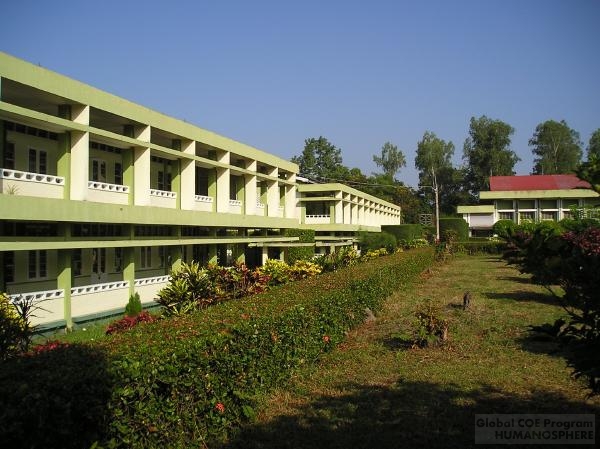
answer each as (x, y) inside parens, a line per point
(273, 73)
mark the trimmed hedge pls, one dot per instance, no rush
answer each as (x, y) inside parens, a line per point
(459, 225)
(300, 252)
(187, 380)
(405, 232)
(370, 241)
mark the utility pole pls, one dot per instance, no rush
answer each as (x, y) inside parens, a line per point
(435, 189)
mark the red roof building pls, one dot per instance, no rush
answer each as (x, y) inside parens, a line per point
(536, 182)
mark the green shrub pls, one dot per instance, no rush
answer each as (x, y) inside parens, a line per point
(277, 270)
(134, 306)
(189, 288)
(292, 254)
(503, 228)
(303, 269)
(343, 257)
(11, 328)
(404, 232)
(184, 381)
(369, 241)
(459, 225)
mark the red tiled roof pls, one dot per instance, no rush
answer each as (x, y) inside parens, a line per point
(536, 182)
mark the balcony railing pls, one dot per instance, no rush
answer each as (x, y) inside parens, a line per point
(31, 177)
(235, 203)
(163, 193)
(106, 187)
(203, 198)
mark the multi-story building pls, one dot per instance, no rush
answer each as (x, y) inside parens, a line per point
(337, 212)
(528, 198)
(101, 197)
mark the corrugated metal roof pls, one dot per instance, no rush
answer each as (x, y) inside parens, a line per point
(536, 182)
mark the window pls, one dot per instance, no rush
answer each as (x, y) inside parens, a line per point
(547, 215)
(505, 216)
(9, 266)
(526, 216)
(146, 257)
(118, 173)
(162, 254)
(98, 170)
(76, 260)
(37, 264)
(38, 161)
(9, 156)
(99, 260)
(118, 262)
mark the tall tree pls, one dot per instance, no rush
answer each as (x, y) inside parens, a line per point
(434, 159)
(320, 159)
(557, 148)
(593, 149)
(487, 153)
(391, 159)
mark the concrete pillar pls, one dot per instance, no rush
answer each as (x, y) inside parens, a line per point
(64, 280)
(129, 267)
(273, 194)
(212, 249)
(79, 171)
(63, 162)
(290, 199)
(176, 181)
(222, 199)
(128, 158)
(264, 255)
(251, 196)
(141, 163)
(212, 187)
(188, 176)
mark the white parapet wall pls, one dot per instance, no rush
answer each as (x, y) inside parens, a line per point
(103, 192)
(97, 298)
(49, 306)
(15, 182)
(148, 288)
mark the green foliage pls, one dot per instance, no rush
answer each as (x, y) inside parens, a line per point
(590, 171)
(374, 240)
(487, 153)
(404, 232)
(593, 149)
(567, 254)
(504, 228)
(134, 306)
(11, 328)
(303, 269)
(187, 380)
(430, 328)
(292, 254)
(343, 257)
(129, 322)
(556, 147)
(458, 225)
(189, 288)
(391, 159)
(277, 270)
(320, 159)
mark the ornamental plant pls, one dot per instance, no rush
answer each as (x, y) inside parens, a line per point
(129, 322)
(12, 328)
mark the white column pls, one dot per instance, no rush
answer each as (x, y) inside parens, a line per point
(290, 199)
(223, 175)
(141, 170)
(273, 194)
(188, 175)
(250, 193)
(80, 153)
(80, 160)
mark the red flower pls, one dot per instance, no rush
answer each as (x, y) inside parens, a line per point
(326, 338)
(220, 407)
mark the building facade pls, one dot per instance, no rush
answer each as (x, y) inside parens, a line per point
(101, 197)
(532, 198)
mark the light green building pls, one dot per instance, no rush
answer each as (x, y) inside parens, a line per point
(101, 197)
(528, 198)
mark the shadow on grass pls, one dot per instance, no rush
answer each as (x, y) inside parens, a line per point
(516, 279)
(406, 415)
(523, 296)
(55, 399)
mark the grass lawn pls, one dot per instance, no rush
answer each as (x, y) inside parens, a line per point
(376, 391)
